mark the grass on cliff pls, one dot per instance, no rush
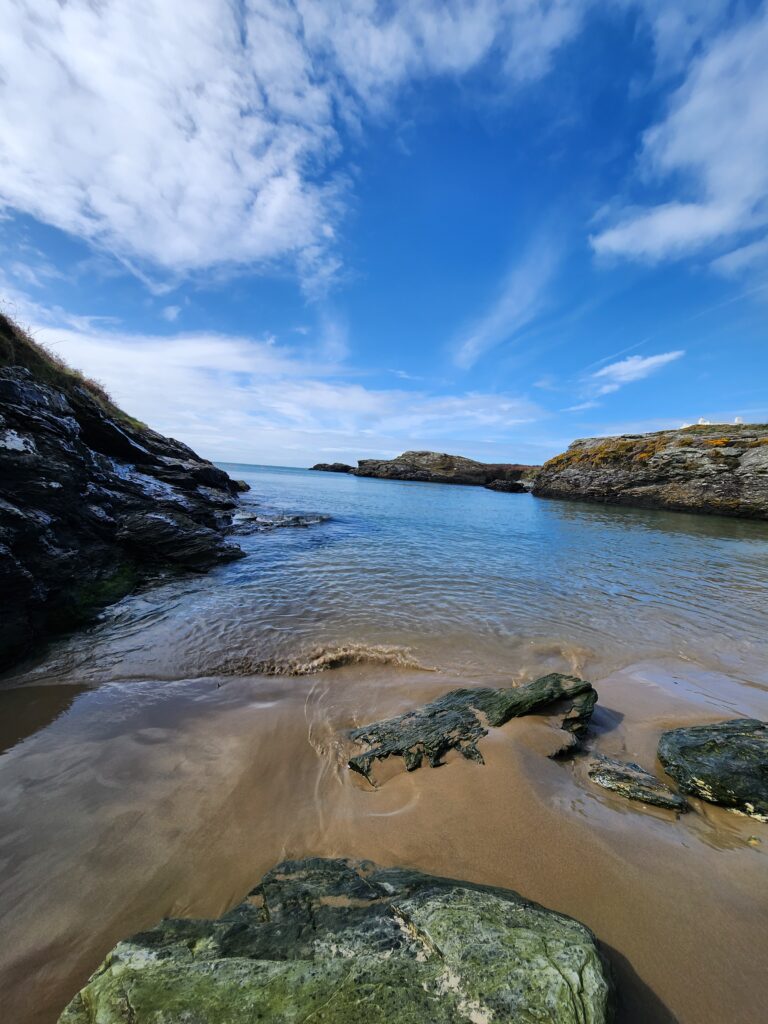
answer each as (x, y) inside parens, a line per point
(19, 348)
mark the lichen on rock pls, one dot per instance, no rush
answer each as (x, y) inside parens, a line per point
(339, 942)
(457, 720)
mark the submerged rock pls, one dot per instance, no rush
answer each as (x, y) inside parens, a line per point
(457, 720)
(246, 521)
(340, 942)
(718, 468)
(91, 501)
(725, 763)
(635, 783)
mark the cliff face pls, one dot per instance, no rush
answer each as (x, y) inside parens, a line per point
(90, 500)
(720, 469)
(437, 467)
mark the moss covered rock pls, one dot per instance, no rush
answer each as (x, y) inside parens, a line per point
(725, 763)
(338, 942)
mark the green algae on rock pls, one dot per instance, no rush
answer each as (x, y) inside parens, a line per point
(337, 942)
(457, 720)
(725, 763)
(635, 783)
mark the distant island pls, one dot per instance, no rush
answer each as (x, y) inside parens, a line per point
(441, 468)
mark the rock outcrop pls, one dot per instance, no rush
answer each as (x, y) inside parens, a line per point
(457, 720)
(440, 468)
(725, 763)
(720, 469)
(339, 942)
(635, 783)
(90, 500)
(333, 467)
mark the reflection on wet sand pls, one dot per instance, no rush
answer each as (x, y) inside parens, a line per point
(146, 800)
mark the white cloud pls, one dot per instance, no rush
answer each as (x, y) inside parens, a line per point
(252, 399)
(171, 313)
(184, 135)
(523, 295)
(631, 369)
(713, 145)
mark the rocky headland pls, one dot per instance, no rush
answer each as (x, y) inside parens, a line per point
(719, 468)
(91, 500)
(440, 468)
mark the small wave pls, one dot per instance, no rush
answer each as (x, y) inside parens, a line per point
(321, 659)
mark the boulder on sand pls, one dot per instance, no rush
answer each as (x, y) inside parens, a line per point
(725, 763)
(340, 942)
(635, 783)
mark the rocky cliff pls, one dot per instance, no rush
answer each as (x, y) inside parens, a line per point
(439, 468)
(90, 499)
(720, 469)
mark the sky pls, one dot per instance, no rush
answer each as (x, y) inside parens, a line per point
(287, 232)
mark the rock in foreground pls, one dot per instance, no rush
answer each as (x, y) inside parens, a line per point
(725, 763)
(457, 720)
(90, 500)
(635, 783)
(719, 469)
(338, 942)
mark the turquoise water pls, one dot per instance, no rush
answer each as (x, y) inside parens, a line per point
(471, 581)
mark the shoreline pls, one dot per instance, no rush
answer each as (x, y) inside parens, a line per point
(259, 776)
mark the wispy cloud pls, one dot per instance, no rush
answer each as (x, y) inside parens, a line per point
(631, 369)
(712, 148)
(582, 406)
(181, 137)
(255, 399)
(171, 313)
(522, 296)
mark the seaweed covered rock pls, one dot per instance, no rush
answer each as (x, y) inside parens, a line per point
(725, 763)
(716, 468)
(457, 720)
(340, 942)
(635, 783)
(90, 500)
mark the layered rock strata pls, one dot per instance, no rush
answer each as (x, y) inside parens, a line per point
(720, 469)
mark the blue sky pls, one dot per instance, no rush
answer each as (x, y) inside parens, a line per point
(288, 232)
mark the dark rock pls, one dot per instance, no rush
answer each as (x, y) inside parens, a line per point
(333, 467)
(439, 468)
(635, 783)
(340, 942)
(725, 763)
(457, 720)
(245, 521)
(90, 500)
(240, 486)
(507, 486)
(719, 469)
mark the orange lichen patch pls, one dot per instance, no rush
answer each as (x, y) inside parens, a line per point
(719, 442)
(761, 442)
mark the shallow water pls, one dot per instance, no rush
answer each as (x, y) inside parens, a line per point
(153, 766)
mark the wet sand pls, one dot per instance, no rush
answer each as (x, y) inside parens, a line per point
(146, 799)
